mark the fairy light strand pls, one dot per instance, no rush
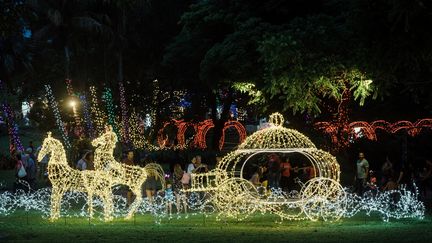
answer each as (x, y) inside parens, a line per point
(124, 112)
(109, 103)
(98, 115)
(57, 116)
(14, 138)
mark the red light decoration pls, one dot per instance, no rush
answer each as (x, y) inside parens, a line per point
(201, 130)
(368, 130)
(162, 138)
(181, 130)
(238, 126)
(69, 87)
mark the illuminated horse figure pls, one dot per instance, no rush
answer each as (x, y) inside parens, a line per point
(64, 178)
(123, 174)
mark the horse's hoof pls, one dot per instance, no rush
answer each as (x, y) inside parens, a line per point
(53, 219)
(109, 219)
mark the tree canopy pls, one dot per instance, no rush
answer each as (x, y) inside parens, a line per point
(279, 55)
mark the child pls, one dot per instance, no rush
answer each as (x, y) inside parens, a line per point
(169, 197)
(372, 184)
(391, 185)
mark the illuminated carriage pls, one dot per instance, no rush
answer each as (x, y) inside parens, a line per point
(234, 196)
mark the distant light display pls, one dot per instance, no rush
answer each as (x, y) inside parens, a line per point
(57, 116)
(15, 141)
(98, 115)
(200, 129)
(109, 103)
(358, 129)
(223, 191)
(124, 112)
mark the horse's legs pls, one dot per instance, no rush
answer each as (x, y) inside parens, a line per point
(136, 189)
(108, 205)
(90, 203)
(56, 196)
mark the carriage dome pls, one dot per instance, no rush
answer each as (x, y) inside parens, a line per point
(276, 137)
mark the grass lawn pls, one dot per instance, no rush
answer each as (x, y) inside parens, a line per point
(31, 227)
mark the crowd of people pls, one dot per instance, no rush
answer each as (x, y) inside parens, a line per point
(279, 172)
(391, 177)
(275, 171)
(26, 167)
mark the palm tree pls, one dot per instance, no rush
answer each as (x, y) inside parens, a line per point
(65, 23)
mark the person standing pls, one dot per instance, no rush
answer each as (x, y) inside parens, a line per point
(362, 169)
(274, 173)
(188, 176)
(31, 168)
(83, 163)
(129, 160)
(20, 171)
(286, 174)
(191, 165)
(387, 171)
(199, 166)
(31, 146)
(177, 188)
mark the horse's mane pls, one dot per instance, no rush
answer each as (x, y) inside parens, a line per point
(58, 147)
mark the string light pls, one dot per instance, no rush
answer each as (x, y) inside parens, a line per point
(108, 99)
(59, 122)
(69, 87)
(136, 133)
(64, 178)
(99, 117)
(120, 173)
(238, 126)
(223, 191)
(357, 129)
(78, 130)
(15, 141)
(125, 123)
(201, 129)
(237, 197)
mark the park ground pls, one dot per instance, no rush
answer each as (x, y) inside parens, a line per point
(22, 226)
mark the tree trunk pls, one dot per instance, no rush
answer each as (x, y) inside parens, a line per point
(219, 124)
(121, 30)
(67, 62)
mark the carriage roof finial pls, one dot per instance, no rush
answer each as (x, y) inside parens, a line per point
(276, 119)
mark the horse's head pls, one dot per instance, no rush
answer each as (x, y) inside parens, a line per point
(49, 145)
(108, 139)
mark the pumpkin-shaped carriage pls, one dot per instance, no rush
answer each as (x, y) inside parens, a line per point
(235, 196)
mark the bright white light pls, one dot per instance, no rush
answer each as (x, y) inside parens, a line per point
(72, 103)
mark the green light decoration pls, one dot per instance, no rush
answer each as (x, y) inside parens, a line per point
(107, 97)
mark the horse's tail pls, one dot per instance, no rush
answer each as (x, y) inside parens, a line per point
(156, 171)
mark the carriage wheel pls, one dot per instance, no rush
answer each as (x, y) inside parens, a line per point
(323, 198)
(236, 198)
